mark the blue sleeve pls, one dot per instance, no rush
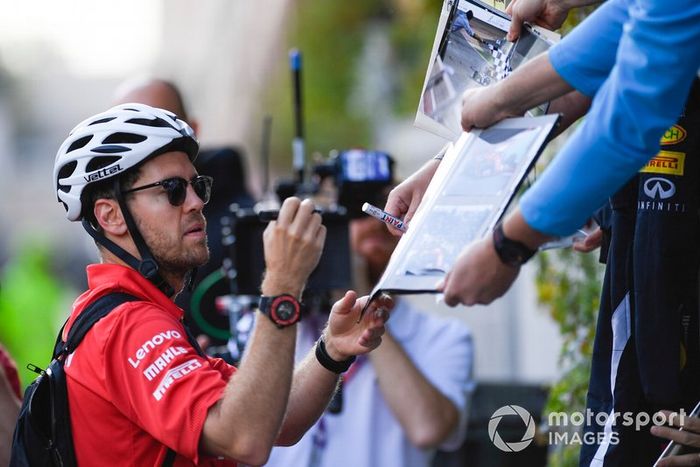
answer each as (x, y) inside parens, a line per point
(656, 62)
(586, 55)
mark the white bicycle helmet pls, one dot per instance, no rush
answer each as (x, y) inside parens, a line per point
(108, 144)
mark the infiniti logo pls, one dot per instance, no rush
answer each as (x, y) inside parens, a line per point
(660, 188)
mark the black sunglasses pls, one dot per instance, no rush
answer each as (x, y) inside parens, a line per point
(176, 188)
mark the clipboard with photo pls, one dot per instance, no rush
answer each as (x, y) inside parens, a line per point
(477, 179)
(470, 50)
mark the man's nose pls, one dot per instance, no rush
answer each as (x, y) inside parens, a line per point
(192, 200)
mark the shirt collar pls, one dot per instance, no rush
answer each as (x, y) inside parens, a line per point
(105, 278)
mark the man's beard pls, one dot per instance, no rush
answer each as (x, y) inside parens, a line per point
(179, 266)
(174, 261)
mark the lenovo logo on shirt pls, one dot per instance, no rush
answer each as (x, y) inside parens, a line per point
(151, 344)
(175, 374)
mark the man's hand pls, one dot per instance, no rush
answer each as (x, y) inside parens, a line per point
(293, 245)
(690, 436)
(344, 336)
(590, 243)
(481, 108)
(549, 14)
(478, 276)
(404, 199)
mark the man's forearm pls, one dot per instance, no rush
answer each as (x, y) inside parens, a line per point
(245, 422)
(569, 4)
(425, 414)
(516, 228)
(532, 84)
(571, 106)
(312, 389)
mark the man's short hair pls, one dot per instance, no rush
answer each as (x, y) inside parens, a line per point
(105, 190)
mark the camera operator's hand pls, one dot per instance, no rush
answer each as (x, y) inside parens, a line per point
(481, 108)
(344, 336)
(404, 199)
(293, 245)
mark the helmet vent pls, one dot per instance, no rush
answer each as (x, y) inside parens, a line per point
(65, 172)
(156, 122)
(124, 138)
(96, 163)
(102, 120)
(79, 143)
(111, 149)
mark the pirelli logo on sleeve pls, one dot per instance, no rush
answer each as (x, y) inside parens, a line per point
(666, 162)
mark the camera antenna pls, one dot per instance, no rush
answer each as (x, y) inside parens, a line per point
(298, 141)
(265, 153)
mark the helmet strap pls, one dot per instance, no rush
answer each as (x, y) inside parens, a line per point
(189, 283)
(147, 266)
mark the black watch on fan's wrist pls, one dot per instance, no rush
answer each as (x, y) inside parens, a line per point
(511, 252)
(283, 310)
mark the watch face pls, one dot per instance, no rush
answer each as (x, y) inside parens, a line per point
(284, 310)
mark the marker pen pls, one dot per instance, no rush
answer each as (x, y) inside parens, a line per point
(384, 216)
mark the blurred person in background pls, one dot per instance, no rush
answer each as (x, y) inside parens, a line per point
(29, 319)
(141, 391)
(405, 400)
(10, 401)
(216, 162)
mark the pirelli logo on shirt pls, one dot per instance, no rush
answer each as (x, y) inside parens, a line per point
(666, 162)
(673, 135)
(175, 374)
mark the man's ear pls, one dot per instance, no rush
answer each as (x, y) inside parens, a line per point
(109, 217)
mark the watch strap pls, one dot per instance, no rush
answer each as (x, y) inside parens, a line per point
(511, 252)
(328, 362)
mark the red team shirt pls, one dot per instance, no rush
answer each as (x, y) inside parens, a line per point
(136, 386)
(10, 371)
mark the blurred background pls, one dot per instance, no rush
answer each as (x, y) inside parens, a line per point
(364, 64)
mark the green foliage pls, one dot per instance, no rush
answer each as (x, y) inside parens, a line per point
(331, 36)
(412, 38)
(32, 307)
(569, 283)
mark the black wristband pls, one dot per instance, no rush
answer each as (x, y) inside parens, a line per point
(511, 252)
(327, 361)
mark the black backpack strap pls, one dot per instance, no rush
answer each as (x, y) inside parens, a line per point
(91, 315)
(87, 319)
(169, 458)
(193, 341)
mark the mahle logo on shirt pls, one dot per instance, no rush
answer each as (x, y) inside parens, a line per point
(673, 135)
(666, 162)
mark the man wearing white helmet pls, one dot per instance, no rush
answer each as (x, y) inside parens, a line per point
(140, 392)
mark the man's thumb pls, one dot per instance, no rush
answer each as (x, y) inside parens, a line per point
(345, 304)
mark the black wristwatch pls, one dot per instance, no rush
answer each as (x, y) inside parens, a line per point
(283, 310)
(512, 252)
